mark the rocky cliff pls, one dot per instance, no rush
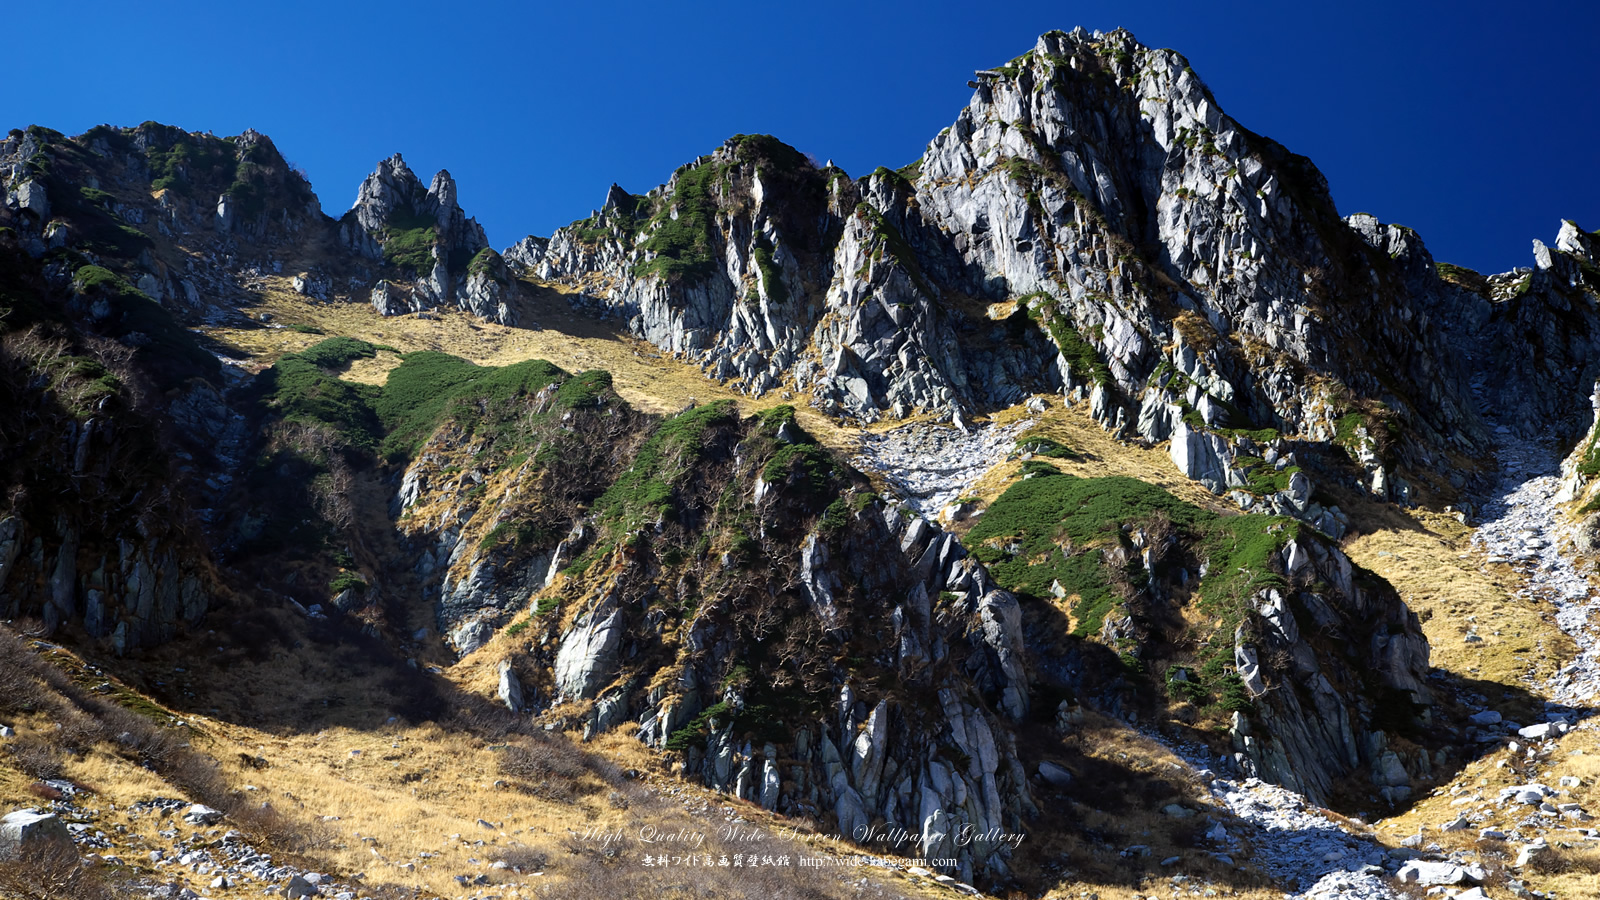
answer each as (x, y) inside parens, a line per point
(1092, 206)
(716, 581)
(110, 429)
(776, 274)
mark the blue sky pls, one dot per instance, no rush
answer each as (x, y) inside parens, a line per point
(1476, 123)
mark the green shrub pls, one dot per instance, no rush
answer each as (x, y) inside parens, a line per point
(299, 389)
(347, 581)
(644, 492)
(697, 729)
(411, 249)
(96, 196)
(771, 274)
(835, 517)
(338, 352)
(429, 386)
(590, 388)
(1039, 445)
(810, 461)
(1183, 686)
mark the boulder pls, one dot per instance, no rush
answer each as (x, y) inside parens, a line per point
(200, 814)
(510, 690)
(1054, 775)
(1430, 874)
(28, 830)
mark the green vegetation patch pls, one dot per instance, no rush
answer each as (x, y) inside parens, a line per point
(336, 353)
(1054, 528)
(771, 273)
(488, 262)
(300, 388)
(681, 232)
(427, 386)
(347, 581)
(1039, 445)
(1080, 354)
(1263, 478)
(174, 354)
(644, 492)
(185, 158)
(411, 249)
(1461, 276)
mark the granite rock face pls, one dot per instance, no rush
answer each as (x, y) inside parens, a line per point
(1092, 224)
(773, 273)
(1317, 702)
(423, 232)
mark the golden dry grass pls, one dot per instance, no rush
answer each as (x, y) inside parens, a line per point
(1575, 870)
(415, 805)
(645, 376)
(1429, 559)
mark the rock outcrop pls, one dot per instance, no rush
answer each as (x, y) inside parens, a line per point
(1132, 246)
(423, 233)
(772, 272)
(97, 525)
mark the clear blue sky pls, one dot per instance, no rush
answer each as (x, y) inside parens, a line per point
(1476, 123)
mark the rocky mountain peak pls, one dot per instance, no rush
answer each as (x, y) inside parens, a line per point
(617, 199)
(443, 188)
(390, 187)
(1576, 241)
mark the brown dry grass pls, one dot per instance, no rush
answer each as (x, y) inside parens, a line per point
(1428, 557)
(1573, 868)
(645, 376)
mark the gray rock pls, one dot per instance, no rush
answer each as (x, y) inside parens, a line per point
(27, 830)
(1429, 874)
(1055, 775)
(588, 655)
(510, 688)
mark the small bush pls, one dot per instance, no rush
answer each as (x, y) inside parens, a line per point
(56, 872)
(347, 581)
(534, 759)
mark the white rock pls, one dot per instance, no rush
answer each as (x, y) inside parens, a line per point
(200, 814)
(1537, 732)
(27, 827)
(1526, 854)
(1426, 873)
